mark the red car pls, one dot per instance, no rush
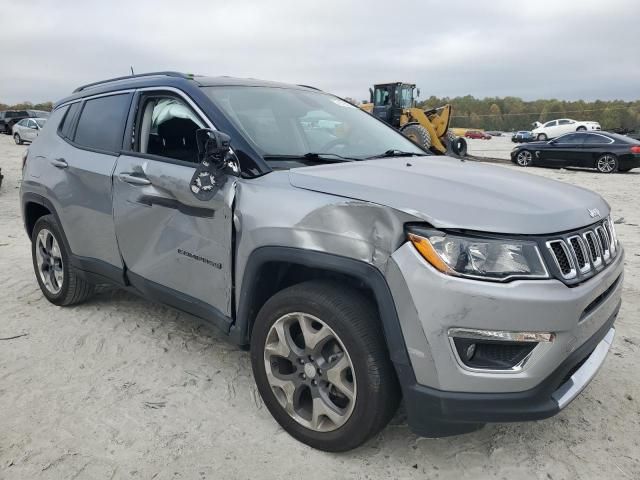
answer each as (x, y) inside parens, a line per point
(477, 134)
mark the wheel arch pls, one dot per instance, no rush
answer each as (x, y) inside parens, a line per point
(35, 206)
(270, 269)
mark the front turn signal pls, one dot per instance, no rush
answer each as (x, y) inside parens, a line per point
(425, 249)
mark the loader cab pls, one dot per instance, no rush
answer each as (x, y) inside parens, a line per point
(390, 99)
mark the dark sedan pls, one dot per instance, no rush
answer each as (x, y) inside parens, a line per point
(606, 152)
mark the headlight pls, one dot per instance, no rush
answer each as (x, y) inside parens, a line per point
(480, 258)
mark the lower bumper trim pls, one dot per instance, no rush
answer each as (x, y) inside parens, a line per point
(436, 413)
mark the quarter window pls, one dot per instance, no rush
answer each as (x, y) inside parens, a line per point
(593, 139)
(67, 122)
(101, 123)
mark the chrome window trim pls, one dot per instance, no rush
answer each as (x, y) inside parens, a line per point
(97, 95)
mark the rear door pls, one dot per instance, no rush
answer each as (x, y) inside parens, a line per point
(81, 162)
(177, 249)
(594, 146)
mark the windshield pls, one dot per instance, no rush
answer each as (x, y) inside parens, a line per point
(292, 122)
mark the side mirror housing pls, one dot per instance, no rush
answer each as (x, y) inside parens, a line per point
(213, 146)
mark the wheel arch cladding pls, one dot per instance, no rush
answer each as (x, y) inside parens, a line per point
(271, 265)
(32, 212)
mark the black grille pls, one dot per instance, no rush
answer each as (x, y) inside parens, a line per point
(577, 250)
(599, 299)
(561, 257)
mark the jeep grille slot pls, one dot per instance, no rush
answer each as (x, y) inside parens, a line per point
(563, 259)
(594, 248)
(580, 252)
(604, 242)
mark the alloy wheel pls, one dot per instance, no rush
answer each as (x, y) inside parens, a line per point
(310, 372)
(49, 261)
(606, 163)
(524, 158)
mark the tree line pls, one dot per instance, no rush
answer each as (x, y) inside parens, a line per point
(46, 106)
(513, 113)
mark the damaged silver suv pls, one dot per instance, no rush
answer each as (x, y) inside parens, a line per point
(358, 269)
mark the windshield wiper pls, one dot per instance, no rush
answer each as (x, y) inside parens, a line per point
(398, 153)
(313, 156)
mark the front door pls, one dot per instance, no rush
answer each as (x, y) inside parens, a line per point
(176, 247)
(564, 150)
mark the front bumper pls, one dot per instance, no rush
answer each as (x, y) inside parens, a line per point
(442, 397)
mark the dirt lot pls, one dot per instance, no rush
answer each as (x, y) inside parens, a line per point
(123, 388)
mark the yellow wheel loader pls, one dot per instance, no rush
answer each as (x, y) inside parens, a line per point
(395, 104)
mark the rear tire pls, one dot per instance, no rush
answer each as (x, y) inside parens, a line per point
(607, 163)
(542, 137)
(58, 279)
(342, 328)
(17, 139)
(581, 129)
(417, 134)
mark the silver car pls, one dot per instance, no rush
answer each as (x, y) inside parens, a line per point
(27, 129)
(358, 269)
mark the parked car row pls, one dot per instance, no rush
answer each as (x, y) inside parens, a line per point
(8, 118)
(604, 151)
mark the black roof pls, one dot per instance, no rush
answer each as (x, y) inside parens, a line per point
(175, 79)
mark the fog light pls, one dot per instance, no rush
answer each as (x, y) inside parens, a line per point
(494, 349)
(471, 349)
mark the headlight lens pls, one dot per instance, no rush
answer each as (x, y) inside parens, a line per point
(480, 258)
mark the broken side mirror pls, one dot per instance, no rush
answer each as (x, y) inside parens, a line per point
(213, 147)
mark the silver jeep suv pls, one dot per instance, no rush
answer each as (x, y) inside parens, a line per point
(359, 269)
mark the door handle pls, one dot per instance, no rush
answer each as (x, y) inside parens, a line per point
(134, 179)
(59, 163)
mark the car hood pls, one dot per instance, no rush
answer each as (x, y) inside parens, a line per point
(450, 193)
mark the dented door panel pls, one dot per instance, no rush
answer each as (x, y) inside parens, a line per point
(169, 237)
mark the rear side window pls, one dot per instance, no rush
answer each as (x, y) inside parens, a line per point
(101, 123)
(67, 122)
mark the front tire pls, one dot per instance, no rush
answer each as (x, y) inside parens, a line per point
(524, 158)
(607, 163)
(58, 279)
(581, 129)
(321, 365)
(417, 134)
(542, 137)
(17, 139)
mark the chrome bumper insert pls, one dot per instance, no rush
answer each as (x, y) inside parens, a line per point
(581, 377)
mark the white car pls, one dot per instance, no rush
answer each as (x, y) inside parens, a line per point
(555, 128)
(26, 130)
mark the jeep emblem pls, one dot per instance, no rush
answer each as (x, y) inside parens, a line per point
(593, 212)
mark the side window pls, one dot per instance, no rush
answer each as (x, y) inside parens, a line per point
(101, 122)
(572, 139)
(22, 123)
(31, 124)
(64, 130)
(168, 128)
(550, 124)
(564, 122)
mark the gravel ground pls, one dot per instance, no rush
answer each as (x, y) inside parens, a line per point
(123, 388)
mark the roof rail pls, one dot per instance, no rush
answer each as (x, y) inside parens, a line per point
(150, 74)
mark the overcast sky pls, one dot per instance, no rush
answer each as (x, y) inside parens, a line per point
(566, 49)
